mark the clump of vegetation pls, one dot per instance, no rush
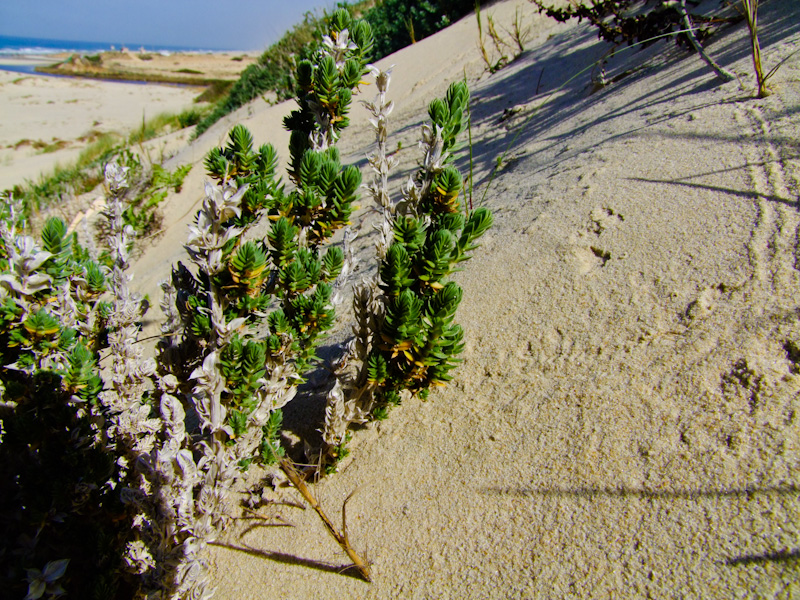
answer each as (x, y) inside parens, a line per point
(109, 489)
(518, 36)
(86, 173)
(633, 21)
(166, 122)
(214, 92)
(396, 23)
(644, 21)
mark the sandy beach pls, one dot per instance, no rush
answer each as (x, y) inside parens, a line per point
(626, 422)
(47, 121)
(141, 65)
(67, 114)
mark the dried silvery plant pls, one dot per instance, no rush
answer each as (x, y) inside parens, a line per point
(57, 464)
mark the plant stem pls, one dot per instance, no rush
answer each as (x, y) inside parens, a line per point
(751, 11)
(723, 74)
(340, 536)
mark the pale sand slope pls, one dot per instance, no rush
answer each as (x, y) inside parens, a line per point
(48, 109)
(625, 423)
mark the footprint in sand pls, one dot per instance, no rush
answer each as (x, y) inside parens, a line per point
(590, 258)
(602, 219)
(704, 304)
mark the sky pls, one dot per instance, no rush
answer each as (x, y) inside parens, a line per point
(212, 24)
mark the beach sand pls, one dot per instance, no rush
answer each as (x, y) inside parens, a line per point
(140, 65)
(69, 113)
(65, 114)
(626, 422)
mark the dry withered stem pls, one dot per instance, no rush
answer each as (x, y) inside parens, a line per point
(340, 536)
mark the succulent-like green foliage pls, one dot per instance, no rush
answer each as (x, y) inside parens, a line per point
(271, 449)
(449, 113)
(332, 264)
(238, 162)
(283, 242)
(417, 343)
(477, 224)
(323, 200)
(242, 363)
(248, 268)
(326, 87)
(395, 271)
(56, 241)
(80, 376)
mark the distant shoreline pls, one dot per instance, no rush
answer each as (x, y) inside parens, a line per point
(140, 78)
(198, 69)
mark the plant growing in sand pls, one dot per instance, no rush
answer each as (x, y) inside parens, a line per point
(518, 34)
(751, 16)
(113, 449)
(629, 21)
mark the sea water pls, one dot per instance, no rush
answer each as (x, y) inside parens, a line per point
(26, 47)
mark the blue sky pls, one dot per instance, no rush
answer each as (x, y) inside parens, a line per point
(217, 24)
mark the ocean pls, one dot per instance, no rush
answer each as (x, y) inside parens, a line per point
(22, 47)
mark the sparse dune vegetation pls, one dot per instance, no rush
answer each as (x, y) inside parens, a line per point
(513, 309)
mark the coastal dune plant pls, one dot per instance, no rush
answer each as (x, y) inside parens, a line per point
(751, 16)
(151, 454)
(518, 36)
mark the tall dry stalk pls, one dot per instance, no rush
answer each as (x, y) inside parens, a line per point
(751, 13)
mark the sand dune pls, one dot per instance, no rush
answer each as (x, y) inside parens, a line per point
(625, 423)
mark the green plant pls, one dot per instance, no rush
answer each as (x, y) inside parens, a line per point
(751, 15)
(163, 123)
(406, 340)
(242, 326)
(214, 92)
(520, 33)
(398, 23)
(491, 65)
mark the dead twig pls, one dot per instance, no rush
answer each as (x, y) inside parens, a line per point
(340, 536)
(723, 74)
